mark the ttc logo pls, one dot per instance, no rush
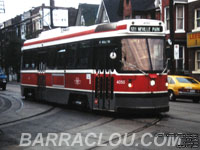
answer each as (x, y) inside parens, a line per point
(77, 81)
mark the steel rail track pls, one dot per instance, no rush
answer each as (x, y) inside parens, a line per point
(129, 134)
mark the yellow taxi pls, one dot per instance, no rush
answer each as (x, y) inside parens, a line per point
(183, 87)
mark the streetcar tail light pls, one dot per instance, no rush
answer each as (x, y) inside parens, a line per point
(96, 101)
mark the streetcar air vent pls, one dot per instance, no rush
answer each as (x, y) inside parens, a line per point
(106, 27)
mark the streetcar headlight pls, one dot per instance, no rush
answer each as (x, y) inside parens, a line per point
(166, 84)
(152, 82)
(130, 85)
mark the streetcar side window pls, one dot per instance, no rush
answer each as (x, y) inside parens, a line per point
(56, 57)
(42, 59)
(82, 55)
(28, 60)
(71, 55)
(60, 58)
(51, 61)
(102, 52)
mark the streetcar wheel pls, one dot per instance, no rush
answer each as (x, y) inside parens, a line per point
(172, 97)
(78, 102)
(196, 100)
(29, 95)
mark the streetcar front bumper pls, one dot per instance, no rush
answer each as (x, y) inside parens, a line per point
(142, 102)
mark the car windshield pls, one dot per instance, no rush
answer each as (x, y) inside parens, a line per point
(143, 53)
(187, 80)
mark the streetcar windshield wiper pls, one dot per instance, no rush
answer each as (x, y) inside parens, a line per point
(133, 66)
(166, 65)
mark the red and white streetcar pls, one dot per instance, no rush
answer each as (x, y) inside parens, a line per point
(107, 67)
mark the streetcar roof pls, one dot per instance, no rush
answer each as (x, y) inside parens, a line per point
(78, 33)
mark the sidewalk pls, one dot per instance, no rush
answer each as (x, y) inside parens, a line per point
(14, 83)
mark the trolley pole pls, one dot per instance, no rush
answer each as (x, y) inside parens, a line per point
(52, 5)
(171, 7)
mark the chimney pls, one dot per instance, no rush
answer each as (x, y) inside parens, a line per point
(127, 9)
(52, 3)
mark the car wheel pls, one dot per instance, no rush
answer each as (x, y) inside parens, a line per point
(172, 97)
(4, 88)
(196, 100)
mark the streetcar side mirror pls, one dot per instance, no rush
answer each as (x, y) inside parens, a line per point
(113, 55)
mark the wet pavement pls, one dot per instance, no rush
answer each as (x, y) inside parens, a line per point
(19, 116)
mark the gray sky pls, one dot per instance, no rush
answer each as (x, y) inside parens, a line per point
(17, 7)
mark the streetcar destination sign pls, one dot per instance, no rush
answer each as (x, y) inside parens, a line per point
(146, 29)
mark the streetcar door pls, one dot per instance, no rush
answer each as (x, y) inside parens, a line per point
(42, 59)
(104, 80)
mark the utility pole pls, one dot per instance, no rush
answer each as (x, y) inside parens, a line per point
(52, 5)
(2, 6)
(2, 10)
(171, 11)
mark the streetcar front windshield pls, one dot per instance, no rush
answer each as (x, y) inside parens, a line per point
(143, 54)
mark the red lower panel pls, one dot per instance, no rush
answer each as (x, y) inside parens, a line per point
(29, 78)
(140, 83)
(79, 81)
(86, 81)
(58, 80)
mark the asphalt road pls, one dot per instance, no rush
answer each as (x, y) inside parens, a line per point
(29, 125)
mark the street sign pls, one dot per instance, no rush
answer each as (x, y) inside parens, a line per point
(193, 39)
(176, 51)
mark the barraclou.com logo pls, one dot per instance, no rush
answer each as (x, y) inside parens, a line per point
(115, 139)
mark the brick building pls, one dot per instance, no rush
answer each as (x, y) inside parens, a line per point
(180, 11)
(193, 38)
(115, 10)
(28, 25)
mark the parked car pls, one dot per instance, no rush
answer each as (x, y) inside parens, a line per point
(183, 87)
(3, 80)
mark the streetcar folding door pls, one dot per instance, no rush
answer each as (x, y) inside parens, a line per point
(104, 80)
(41, 65)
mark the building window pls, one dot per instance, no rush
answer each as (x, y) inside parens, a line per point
(197, 18)
(197, 60)
(180, 17)
(181, 61)
(167, 18)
